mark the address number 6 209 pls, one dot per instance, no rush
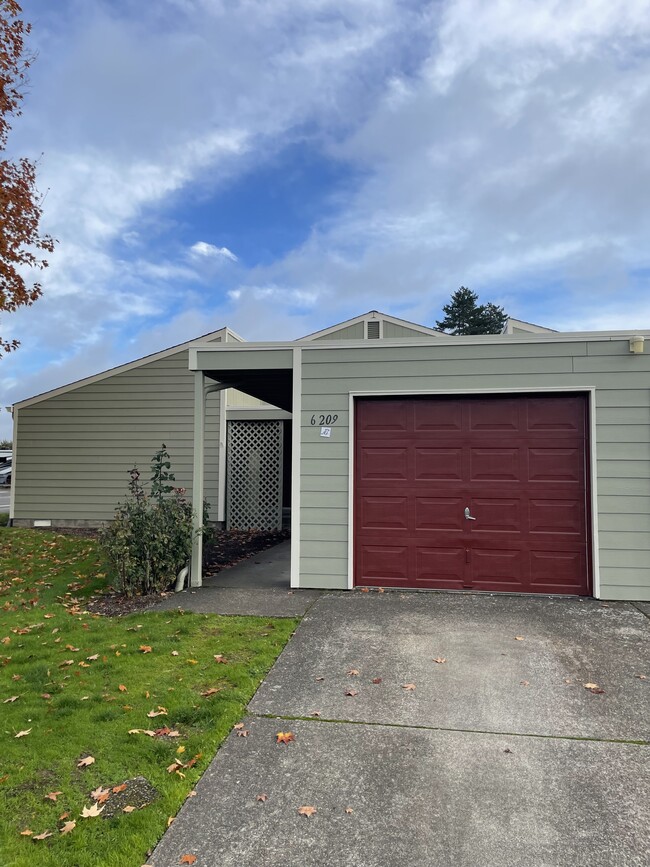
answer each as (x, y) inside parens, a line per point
(323, 419)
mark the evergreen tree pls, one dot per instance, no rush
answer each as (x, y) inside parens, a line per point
(464, 315)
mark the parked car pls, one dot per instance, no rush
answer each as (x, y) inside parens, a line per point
(5, 475)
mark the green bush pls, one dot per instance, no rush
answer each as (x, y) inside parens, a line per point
(150, 537)
(4, 519)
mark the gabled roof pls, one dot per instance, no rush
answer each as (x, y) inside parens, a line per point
(374, 315)
(225, 333)
(513, 325)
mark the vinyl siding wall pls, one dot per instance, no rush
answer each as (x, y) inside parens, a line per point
(350, 332)
(392, 329)
(622, 417)
(73, 450)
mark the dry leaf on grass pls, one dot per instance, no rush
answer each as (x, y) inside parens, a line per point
(84, 763)
(42, 836)
(128, 809)
(52, 796)
(122, 688)
(69, 826)
(162, 711)
(91, 812)
(93, 657)
(219, 658)
(146, 648)
(307, 811)
(11, 700)
(23, 734)
(26, 833)
(211, 691)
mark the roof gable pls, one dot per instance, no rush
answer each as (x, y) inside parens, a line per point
(374, 325)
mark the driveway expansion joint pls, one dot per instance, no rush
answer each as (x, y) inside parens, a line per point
(290, 718)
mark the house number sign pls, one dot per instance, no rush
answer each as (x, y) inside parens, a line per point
(322, 419)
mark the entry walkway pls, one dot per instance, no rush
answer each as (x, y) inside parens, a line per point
(437, 730)
(258, 586)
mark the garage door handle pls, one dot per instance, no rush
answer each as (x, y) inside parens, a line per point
(467, 514)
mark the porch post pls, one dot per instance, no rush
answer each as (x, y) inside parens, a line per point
(198, 475)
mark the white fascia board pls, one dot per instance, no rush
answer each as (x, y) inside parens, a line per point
(369, 316)
(115, 371)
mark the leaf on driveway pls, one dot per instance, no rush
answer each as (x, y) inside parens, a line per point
(243, 733)
(262, 797)
(86, 762)
(352, 692)
(188, 859)
(408, 686)
(284, 737)
(519, 637)
(349, 810)
(117, 789)
(440, 660)
(376, 680)
(91, 812)
(353, 672)
(307, 811)
(590, 685)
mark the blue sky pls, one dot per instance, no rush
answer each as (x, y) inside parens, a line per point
(278, 166)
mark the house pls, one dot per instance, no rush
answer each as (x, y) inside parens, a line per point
(517, 462)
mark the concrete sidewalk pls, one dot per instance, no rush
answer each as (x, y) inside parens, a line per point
(497, 757)
(258, 586)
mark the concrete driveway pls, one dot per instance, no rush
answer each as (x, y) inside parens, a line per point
(497, 757)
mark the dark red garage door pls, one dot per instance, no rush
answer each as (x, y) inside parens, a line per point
(488, 493)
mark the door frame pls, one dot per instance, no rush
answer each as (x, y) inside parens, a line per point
(590, 476)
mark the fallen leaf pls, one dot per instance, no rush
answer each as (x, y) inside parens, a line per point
(180, 750)
(52, 796)
(349, 810)
(71, 648)
(641, 676)
(83, 664)
(219, 658)
(507, 750)
(597, 691)
(11, 700)
(117, 789)
(315, 713)
(42, 836)
(170, 820)
(262, 797)
(188, 859)
(100, 794)
(307, 811)
(63, 816)
(352, 692)
(211, 691)
(146, 648)
(91, 812)
(160, 712)
(84, 763)
(408, 686)
(122, 688)
(26, 833)
(285, 737)
(590, 685)
(243, 733)
(93, 657)
(353, 672)
(440, 660)
(174, 653)
(365, 590)
(23, 733)
(519, 637)
(319, 678)
(69, 826)
(191, 794)
(239, 725)
(128, 809)
(66, 662)
(376, 680)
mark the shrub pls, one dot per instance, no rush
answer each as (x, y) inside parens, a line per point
(150, 537)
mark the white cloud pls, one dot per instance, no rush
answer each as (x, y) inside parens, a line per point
(205, 250)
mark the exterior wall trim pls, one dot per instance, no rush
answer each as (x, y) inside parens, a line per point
(591, 402)
(256, 413)
(370, 315)
(296, 445)
(14, 467)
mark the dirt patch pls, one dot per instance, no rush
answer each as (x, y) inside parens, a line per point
(224, 548)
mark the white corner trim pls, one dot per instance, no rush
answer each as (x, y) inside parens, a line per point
(14, 465)
(589, 390)
(296, 443)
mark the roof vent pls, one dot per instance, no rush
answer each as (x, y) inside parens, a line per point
(372, 329)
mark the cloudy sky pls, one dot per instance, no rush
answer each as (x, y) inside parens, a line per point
(280, 165)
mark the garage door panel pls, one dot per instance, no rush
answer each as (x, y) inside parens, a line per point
(556, 517)
(496, 515)
(384, 513)
(438, 464)
(440, 568)
(489, 415)
(494, 464)
(386, 564)
(556, 464)
(439, 513)
(380, 463)
(439, 416)
(517, 463)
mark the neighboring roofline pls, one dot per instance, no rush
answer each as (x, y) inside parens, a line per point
(123, 368)
(372, 314)
(476, 339)
(525, 326)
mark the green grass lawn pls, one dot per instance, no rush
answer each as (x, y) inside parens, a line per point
(83, 682)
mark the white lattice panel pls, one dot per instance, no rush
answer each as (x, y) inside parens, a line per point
(254, 475)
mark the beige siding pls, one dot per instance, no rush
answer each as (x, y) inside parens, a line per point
(622, 417)
(392, 329)
(350, 332)
(239, 399)
(74, 449)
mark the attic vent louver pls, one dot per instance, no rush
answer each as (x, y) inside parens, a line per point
(373, 329)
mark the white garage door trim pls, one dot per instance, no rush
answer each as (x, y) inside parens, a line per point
(590, 391)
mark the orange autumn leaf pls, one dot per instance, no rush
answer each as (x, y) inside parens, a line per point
(285, 737)
(307, 811)
(187, 859)
(146, 648)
